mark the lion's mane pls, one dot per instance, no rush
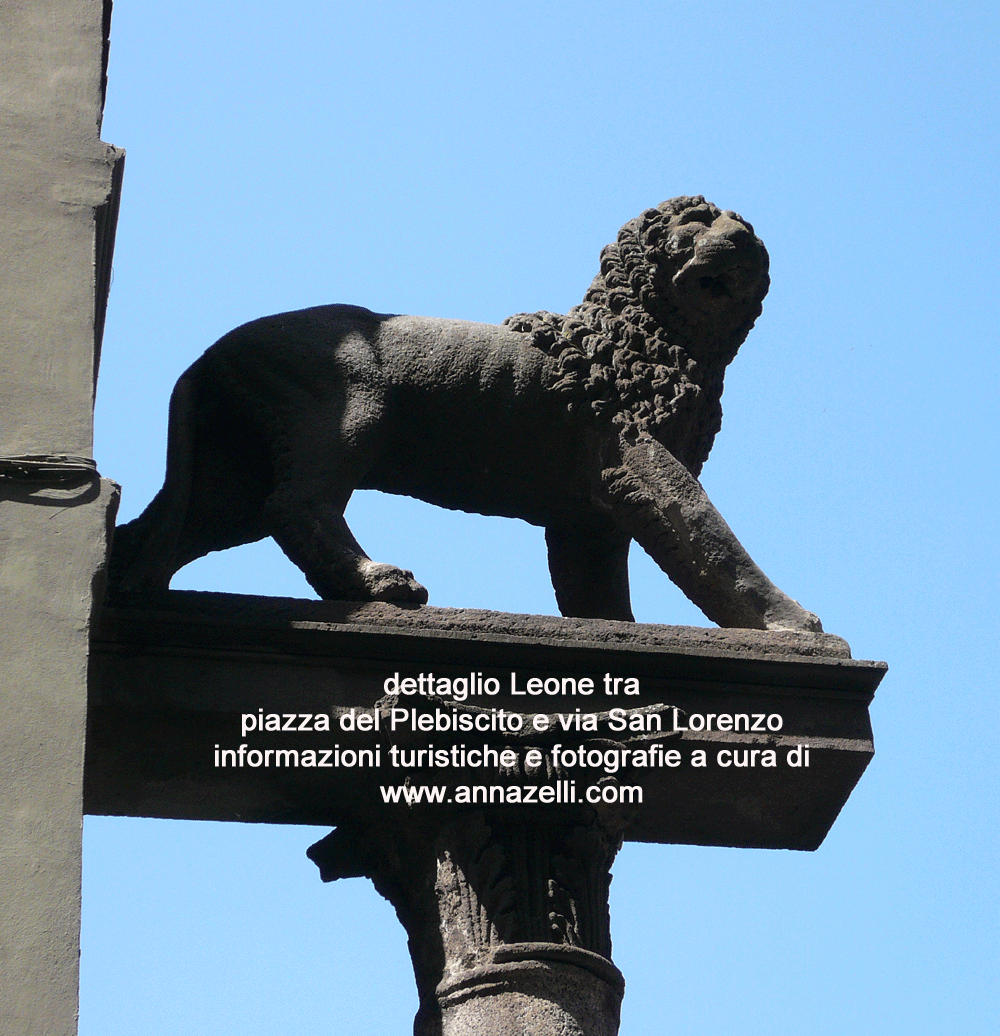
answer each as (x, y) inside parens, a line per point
(630, 354)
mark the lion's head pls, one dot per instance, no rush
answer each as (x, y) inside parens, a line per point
(677, 294)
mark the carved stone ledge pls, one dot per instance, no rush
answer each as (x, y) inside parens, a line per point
(172, 673)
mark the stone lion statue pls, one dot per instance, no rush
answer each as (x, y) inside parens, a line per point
(593, 425)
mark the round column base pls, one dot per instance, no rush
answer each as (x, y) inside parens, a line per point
(534, 989)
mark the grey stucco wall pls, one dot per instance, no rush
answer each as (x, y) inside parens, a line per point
(48, 555)
(55, 179)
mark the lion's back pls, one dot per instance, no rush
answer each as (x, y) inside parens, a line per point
(280, 367)
(352, 344)
(426, 378)
(453, 358)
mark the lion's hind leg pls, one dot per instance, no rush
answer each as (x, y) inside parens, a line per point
(316, 538)
(217, 480)
(142, 550)
(305, 515)
(588, 562)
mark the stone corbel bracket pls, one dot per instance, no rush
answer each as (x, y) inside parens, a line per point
(171, 676)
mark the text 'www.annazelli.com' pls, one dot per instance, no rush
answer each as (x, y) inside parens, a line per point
(559, 793)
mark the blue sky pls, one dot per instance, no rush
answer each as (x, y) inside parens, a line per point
(467, 160)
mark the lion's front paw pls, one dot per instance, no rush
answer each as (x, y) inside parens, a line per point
(389, 583)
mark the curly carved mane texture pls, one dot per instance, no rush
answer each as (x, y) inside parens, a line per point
(648, 346)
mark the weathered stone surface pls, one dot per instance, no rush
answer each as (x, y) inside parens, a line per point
(593, 426)
(533, 988)
(479, 624)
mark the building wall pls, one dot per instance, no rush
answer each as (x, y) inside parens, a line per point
(55, 192)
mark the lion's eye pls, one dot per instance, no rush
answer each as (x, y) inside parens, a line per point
(683, 237)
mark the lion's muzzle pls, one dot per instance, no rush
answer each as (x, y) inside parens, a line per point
(727, 262)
